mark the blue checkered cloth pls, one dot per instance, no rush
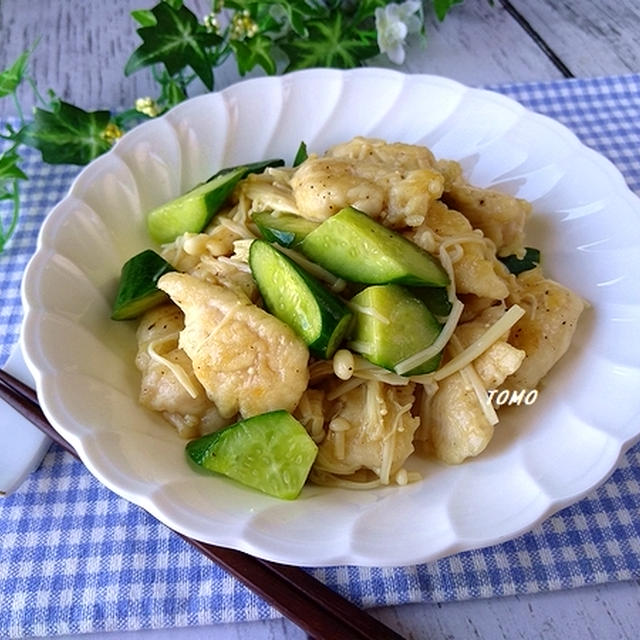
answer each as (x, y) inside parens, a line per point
(76, 558)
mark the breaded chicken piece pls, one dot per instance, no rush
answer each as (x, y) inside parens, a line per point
(172, 388)
(546, 330)
(394, 183)
(474, 272)
(459, 428)
(323, 186)
(246, 359)
(500, 216)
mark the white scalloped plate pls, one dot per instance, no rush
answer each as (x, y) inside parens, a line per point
(543, 456)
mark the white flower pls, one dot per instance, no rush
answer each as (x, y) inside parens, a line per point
(393, 24)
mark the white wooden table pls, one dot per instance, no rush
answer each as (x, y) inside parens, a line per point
(83, 47)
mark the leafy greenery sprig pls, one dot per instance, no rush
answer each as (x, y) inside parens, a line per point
(10, 173)
(180, 49)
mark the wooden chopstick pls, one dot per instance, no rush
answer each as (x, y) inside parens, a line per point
(307, 602)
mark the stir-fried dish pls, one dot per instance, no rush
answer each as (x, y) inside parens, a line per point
(370, 295)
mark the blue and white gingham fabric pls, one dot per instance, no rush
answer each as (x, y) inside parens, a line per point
(76, 558)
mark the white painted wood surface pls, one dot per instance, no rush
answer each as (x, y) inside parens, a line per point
(591, 37)
(82, 50)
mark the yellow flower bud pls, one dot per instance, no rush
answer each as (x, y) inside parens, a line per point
(111, 133)
(148, 106)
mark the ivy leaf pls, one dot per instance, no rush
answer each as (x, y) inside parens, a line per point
(331, 43)
(10, 174)
(9, 169)
(367, 9)
(297, 14)
(11, 77)
(68, 134)
(172, 93)
(252, 52)
(176, 40)
(144, 17)
(297, 18)
(442, 7)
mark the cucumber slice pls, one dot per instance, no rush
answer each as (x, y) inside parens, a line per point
(287, 229)
(192, 211)
(436, 299)
(271, 452)
(355, 247)
(390, 325)
(137, 291)
(294, 296)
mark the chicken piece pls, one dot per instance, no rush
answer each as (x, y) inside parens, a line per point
(499, 215)
(246, 359)
(458, 427)
(395, 183)
(323, 186)
(400, 156)
(473, 306)
(406, 172)
(545, 331)
(228, 272)
(410, 196)
(370, 427)
(474, 272)
(168, 384)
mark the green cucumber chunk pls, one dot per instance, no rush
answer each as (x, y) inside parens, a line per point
(355, 247)
(287, 229)
(436, 299)
(271, 452)
(390, 325)
(137, 290)
(192, 211)
(294, 296)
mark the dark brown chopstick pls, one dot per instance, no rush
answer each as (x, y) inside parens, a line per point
(308, 603)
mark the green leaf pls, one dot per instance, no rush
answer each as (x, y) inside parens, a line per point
(11, 77)
(442, 7)
(253, 52)
(366, 9)
(331, 43)
(301, 154)
(68, 135)
(10, 174)
(144, 17)
(297, 14)
(172, 93)
(177, 40)
(9, 169)
(516, 265)
(13, 135)
(278, 15)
